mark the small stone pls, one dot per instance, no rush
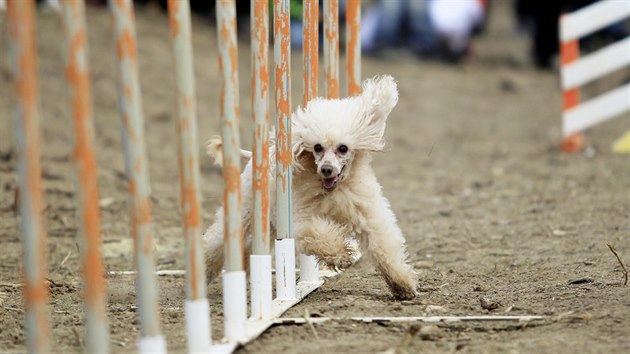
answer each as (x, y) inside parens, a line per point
(488, 304)
(481, 288)
(434, 308)
(586, 280)
(105, 202)
(424, 264)
(559, 232)
(498, 171)
(590, 152)
(430, 332)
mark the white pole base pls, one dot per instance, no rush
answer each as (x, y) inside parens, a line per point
(260, 286)
(235, 304)
(285, 269)
(198, 325)
(152, 345)
(309, 270)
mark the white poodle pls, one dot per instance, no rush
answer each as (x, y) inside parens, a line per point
(335, 192)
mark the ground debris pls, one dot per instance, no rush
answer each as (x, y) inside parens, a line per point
(623, 267)
(481, 288)
(434, 308)
(431, 333)
(559, 232)
(106, 202)
(488, 304)
(405, 342)
(571, 316)
(424, 265)
(578, 281)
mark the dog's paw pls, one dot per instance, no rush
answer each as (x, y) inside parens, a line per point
(338, 262)
(403, 292)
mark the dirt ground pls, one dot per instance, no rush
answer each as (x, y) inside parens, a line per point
(490, 207)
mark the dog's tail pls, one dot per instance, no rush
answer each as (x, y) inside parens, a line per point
(215, 150)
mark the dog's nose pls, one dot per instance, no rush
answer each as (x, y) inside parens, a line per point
(327, 170)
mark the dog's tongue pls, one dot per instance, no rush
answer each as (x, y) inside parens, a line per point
(329, 183)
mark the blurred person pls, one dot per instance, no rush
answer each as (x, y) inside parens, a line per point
(541, 19)
(430, 28)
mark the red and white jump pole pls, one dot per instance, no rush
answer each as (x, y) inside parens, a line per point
(577, 71)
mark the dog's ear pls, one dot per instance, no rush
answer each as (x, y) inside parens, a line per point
(379, 97)
(297, 139)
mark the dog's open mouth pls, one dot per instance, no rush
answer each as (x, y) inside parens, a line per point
(330, 183)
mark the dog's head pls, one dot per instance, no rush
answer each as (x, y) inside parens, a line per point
(330, 133)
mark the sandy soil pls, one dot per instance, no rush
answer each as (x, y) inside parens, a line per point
(491, 209)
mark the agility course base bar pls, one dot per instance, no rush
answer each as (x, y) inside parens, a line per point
(426, 319)
(254, 327)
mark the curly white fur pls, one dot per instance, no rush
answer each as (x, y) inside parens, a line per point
(336, 194)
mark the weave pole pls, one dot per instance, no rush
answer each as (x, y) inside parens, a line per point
(309, 271)
(353, 46)
(260, 259)
(234, 282)
(285, 244)
(196, 308)
(310, 40)
(331, 48)
(89, 226)
(130, 104)
(23, 57)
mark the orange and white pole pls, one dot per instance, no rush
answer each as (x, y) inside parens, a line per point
(260, 259)
(196, 307)
(136, 166)
(310, 49)
(23, 58)
(353, 46)
(285, 244)
(309, 270)
(89, 226)
(331, 48)
(234, 282)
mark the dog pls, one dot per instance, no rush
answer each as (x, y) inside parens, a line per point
(336, 195)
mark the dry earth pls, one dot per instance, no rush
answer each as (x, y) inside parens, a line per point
(490, 207)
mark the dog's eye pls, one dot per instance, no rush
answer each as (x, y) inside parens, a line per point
(318, 148)
(342, 149)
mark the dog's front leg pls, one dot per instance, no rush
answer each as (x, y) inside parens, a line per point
(384, 241)
(326, 240)
(214, 247)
